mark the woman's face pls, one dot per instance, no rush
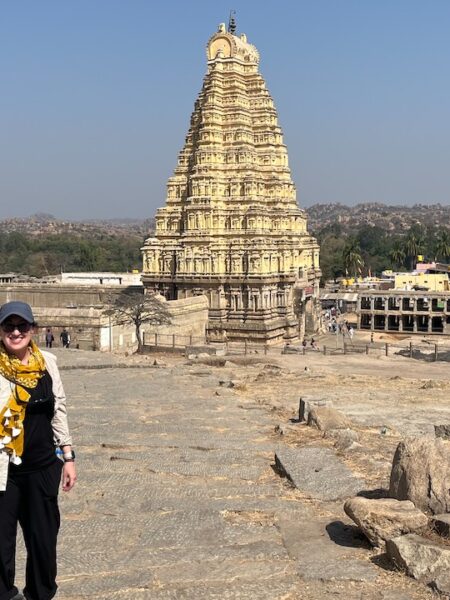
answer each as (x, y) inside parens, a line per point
(16, 334)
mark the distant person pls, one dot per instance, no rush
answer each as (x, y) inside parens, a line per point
(49, 338)
(313, 344)
(65, 338)
(304, 343)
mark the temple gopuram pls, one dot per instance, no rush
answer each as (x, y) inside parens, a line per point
(231, 228)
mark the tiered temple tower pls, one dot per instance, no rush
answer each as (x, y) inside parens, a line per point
(231, 228)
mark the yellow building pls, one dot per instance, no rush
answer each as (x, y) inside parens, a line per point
(434, 282)
(231, 228)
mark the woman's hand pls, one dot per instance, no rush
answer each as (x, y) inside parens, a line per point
(69, 476)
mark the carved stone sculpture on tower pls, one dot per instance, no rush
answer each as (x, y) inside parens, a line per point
(231, 227)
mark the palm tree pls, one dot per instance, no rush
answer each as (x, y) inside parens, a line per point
(353, 261)
(442, 247)
(397, 254)
(412, 246)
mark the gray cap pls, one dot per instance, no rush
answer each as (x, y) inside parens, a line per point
(20, 309)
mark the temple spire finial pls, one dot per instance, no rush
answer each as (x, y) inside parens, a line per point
(232, 23)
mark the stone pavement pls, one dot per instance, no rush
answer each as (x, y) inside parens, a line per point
(178, 497)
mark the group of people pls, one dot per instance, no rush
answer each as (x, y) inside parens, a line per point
(312, 343)
(335, 326)
(36, 455)
(64, 336)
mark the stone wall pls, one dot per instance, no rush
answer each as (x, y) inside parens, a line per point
(80, 310)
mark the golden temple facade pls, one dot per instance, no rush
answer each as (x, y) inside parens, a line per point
(231, 228)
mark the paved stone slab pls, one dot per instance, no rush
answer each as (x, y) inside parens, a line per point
(317, 472)
(318, 557)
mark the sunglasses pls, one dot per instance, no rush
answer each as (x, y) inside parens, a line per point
(21, 327)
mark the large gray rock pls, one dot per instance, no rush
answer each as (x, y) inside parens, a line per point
(325, 418)
(421, 473)
(318, 472)
(345, 439)
(307, 404)
(441, 584)
(419, 557)
(386, 518)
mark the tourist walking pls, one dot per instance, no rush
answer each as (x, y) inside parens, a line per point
(49, 338)
(33, 423)
(65, 338)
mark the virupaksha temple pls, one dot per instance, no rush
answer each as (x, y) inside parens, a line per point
(231, 228)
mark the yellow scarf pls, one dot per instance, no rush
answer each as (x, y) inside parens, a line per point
(13, 413)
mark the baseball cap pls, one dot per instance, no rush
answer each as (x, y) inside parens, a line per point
(21, 309)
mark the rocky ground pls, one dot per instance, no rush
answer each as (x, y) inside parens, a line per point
(179, 494)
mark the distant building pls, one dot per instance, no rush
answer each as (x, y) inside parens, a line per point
(404, 311)
(8, 277)
(98, 278)
(434, 282)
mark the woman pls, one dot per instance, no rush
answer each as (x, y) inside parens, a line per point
(33, 424)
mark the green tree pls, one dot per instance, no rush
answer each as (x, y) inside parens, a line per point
(413, 245)
(397, 254)
(442, 245)
(133, 307)
(353, 261)
(331, 252)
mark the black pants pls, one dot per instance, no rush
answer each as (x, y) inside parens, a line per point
(32, 500)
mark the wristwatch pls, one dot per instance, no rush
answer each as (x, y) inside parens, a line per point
(69, 456)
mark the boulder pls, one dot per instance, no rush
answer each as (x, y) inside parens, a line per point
(325, 418)
(419, 557)
(307, 404)
(421, 473)
(345, 439)
(441, 584)
(385, 518)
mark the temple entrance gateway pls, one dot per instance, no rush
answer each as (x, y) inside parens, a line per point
(231, 228)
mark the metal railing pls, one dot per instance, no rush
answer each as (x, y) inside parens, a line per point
(427, 352)
(171, 341)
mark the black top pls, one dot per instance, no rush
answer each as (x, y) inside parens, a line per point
(39, 446)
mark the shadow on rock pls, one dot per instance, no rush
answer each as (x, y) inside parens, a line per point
(374, 494)
(382, 561)
(346, 535)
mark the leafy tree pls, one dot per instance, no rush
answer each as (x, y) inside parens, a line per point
(133, 307)
(413, 245)
(353, 261)
(442, 245)
(47, 255)
(331, 253)
(397, 254)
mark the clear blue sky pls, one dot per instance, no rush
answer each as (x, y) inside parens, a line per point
(96, 97)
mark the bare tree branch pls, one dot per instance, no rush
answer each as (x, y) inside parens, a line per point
(132, 307)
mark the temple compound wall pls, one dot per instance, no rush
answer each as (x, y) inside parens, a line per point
(80, 309)
(231, 229)
(404, 311)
